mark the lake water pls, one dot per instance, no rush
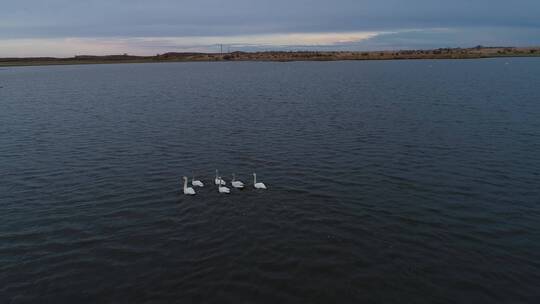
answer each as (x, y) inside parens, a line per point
(389, 181)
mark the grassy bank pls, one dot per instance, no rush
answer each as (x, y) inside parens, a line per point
(447, 53)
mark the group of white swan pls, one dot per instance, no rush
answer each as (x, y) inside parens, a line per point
(220, 183)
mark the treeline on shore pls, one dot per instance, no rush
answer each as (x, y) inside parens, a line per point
(441, 53)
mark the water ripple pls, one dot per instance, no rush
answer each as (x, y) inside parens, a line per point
(386, 181)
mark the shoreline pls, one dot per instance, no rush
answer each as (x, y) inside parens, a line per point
(446, 53)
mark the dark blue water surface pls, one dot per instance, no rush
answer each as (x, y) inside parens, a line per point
(389, 182)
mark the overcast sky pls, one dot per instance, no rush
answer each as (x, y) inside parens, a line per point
(69, 27)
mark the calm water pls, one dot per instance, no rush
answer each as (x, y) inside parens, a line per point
(393, 181)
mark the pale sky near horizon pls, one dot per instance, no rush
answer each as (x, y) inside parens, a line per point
(72, 27)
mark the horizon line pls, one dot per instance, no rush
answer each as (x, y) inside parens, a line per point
(298, 50)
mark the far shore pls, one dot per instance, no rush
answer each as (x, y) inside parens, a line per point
(443, 53)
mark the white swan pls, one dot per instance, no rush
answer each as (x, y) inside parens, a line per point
(196, 183)
(257, 185)
(222, 189)
(235, 183)
(188, 190)
(218, 180)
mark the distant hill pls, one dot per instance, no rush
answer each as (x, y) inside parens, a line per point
(442, 53)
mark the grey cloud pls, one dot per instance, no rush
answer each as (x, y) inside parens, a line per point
(413, 23)
(99, 18)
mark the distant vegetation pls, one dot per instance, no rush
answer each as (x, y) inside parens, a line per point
(444, 53)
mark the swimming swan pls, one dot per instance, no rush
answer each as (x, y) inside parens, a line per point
(188, 190)
(221, 188)
(196, 183)
(235, 183)
(218, 180)
(257, 185)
